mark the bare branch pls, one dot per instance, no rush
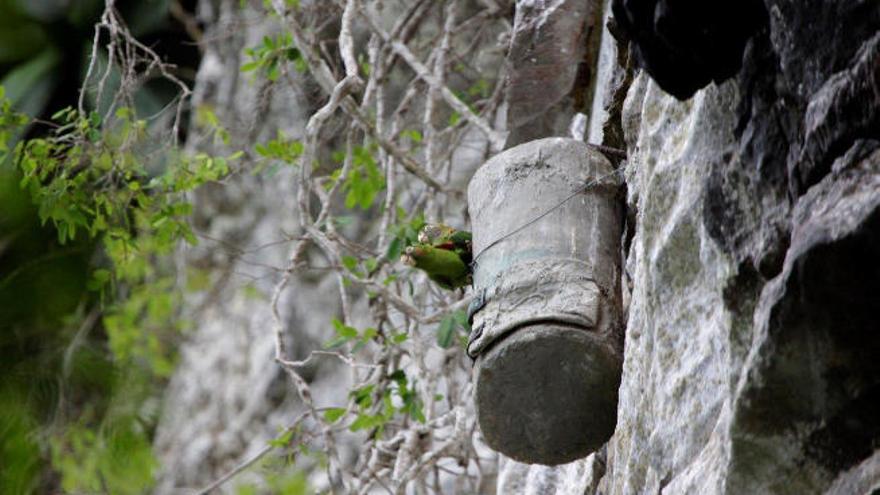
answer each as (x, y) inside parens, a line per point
(496, 138)
(346, 42)
(253, 459)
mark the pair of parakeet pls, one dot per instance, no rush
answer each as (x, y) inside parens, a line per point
(444, 254)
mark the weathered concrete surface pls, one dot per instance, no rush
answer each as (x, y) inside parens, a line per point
(537, 386)
(547, 340)
(535, 233)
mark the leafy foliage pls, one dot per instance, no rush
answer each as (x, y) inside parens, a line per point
(269, 56)
(105, 183)
(449, 326)
(281, 149)
(109, 196)
(89, 179)
(18, 452)
(116, 456)
(365, 180)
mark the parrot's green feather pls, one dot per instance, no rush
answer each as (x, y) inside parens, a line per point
(444, 254)
(443, 266)
(447, 238)
(461, 243)
(461, 237)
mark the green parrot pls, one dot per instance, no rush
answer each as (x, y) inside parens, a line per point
(444, 254)
(445, 237)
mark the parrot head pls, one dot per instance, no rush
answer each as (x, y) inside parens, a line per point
(427, 233)
(410, 254)
(434, 233)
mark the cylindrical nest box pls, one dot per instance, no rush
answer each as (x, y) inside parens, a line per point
(547, 331)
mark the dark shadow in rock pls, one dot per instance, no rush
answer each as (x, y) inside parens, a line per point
(686, 44)
(842, 111)
(850, 436)
(813, 382)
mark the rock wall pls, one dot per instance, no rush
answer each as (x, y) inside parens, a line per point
(751, 350)
(754, 207)
(228, 397)
(678, 343)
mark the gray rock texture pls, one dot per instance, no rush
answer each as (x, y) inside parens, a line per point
(751, 342)
(552, 56)
(228, 397)
(750, 277)
(676, 373)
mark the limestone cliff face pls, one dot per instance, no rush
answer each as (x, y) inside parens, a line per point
(752, 348)
(678, 353)
(751, 345)
(227, 397)
(735, 381)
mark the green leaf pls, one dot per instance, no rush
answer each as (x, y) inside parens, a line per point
(363, 396)
(371, 264)
(344, 334)
(283, 440)
(398, 376)
(365, 179)
(413, 135)
(343, 330)
(350, 263)
(250, 66)
(29, 85)
(395, 248)
(95, 119)
(246, 489)
(446, 331)
(368, 422)
(99, 278)
(343, 221)
(461, 319)
(332, 415)
(335, 342)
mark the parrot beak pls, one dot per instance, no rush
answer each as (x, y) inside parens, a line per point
(407, 257)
